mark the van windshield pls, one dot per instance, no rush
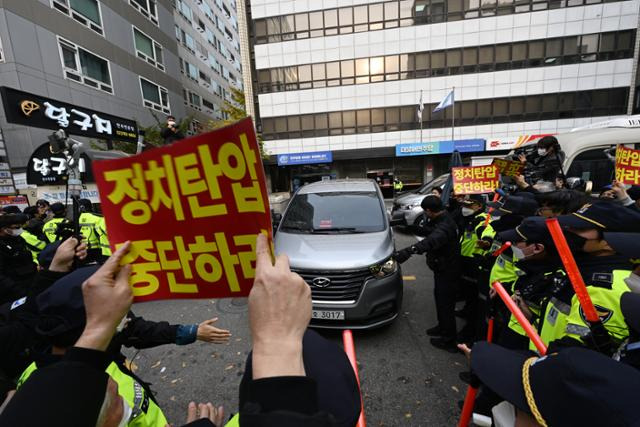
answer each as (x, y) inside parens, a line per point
(335, 213)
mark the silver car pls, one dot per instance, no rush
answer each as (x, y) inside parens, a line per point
(338, 238)
(406, 206)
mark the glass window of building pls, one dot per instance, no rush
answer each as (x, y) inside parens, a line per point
(147, 49)
(146, 7)
(87, 12)
(82, 66)
(154, 96)
(345, 17)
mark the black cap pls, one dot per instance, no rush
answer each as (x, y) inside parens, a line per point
(533, 229)
(12, 219)
(474, 198)
(30, 211)
(42, 202)
(574, 387)
(61, 306)
(630, 308)
(603, 215)
(328, 365)
(514, 205)
(63, 394)
(634, 192)
(85, 205)
(57, 208)
(627, 244)
(11, 209)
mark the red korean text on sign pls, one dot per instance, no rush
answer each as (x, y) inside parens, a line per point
(192, 211)
(475, 179)
(627, 165)
(508, 167)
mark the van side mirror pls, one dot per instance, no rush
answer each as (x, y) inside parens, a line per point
(275, 220)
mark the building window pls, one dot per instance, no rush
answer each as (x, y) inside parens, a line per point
(477, 59)
(1, 52)
(154, 96)
(553, 106)
(191, 70)
(195, 101)
(147, 49)
(147, 7)
(84, 67)
(87, 12)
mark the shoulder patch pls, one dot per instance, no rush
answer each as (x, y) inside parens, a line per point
(604, 313)
(17, 303)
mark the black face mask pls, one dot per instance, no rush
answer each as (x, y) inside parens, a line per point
(575, 242)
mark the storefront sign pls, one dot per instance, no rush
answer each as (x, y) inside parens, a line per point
(627, 165)
(58, 193)
(192, 211)
(45, 168)
(439, 147)
(475, 179)
(33, 110)
(511, 143)
(304, 158)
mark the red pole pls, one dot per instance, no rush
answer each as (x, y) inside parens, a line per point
(572, 270)
(495, 199)
(349, 348)
(515, 310)
(501, 249)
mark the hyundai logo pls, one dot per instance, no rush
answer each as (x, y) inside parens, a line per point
(321, 282)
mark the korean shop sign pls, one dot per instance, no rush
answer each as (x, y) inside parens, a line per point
(192, 211)
(33, 110)
(46, 168)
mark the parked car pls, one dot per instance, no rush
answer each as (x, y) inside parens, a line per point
(406, 206)
(338, 237)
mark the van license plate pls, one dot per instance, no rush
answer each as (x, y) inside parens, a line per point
(327, 315)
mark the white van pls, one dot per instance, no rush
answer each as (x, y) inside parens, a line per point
(589, 150)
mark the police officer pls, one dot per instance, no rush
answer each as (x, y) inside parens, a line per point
(89, 228)
(51, 228)
(103, 239)
(17, 268)
(34, 237)
(442, 252)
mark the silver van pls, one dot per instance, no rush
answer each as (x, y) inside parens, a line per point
(338, 238)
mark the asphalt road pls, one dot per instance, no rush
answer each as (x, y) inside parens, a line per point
(405, 381)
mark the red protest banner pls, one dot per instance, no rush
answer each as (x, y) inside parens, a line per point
(627, 165)
(192, 211)
(508, 167)
(475, 179)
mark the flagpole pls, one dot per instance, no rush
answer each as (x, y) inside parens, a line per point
(421, 106)
(453, 113)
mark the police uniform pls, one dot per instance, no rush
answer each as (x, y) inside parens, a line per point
(103, 239)
(17, 268)
(50, 228)
(34, 243)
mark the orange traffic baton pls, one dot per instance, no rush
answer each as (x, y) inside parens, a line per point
(349, 348)
(501, 249)
(495, 199)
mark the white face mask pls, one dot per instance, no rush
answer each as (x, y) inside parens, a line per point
(15, 232)
(467, 211)
(504, 415)
(171, 123)
(542, 152)
(518, 254)
(633, 282)
(126, 413)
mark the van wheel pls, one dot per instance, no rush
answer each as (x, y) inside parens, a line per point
(418, 224)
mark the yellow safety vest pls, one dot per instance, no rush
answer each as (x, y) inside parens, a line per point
(146, 412)
(470, 237)
(34, 244)
(51, 227)
(88, 222)
(234, 422)
(103, 239)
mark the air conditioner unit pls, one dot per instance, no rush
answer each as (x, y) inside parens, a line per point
(200, 29)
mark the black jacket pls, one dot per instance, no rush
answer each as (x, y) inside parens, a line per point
(544, 168)
(441, 244)
(170, 136)
(17, 269)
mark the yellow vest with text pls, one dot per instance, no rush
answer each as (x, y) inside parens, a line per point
(34, 244)
(51, 227)
(101, 228)
(88, 223)
(145, 411)
(470, 237)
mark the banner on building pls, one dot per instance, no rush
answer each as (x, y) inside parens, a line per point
(475, 179)
(511, 143)
(440, 147)
(291, 159)
(509, 167)
(59, 193)
(627, 165)
(192, 211)
(19, 201)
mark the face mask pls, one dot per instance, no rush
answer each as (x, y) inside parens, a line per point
(575, 242)
(126, 413)
(171, 123)
(542, 152)
(504, 415)
(518, 254)
(15, 232)
(467, 211)
(633, 282)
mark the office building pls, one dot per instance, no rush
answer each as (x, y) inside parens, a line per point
(339, 81)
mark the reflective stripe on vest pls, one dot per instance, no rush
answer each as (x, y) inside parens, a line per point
(88, 223)
(469, 238)
(34, 244)
(101, 227)
(51, 227)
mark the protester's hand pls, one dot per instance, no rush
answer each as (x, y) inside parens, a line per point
(279, 313)
(522, 158)
(520, 181)
(483, 244)
(466, 350)
(107, 298)
(523, 306)
(66, 252)
(209, 333)
(619, 190)
(207, 411)
(402, 255)
(492, 292)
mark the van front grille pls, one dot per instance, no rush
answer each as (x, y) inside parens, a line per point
(344, 285)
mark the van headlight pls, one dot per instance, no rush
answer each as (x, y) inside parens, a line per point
(385, 268)
(413, 205)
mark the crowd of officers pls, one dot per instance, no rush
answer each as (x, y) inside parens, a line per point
(600, 360)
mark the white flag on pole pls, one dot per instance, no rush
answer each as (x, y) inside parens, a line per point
(420, 108)
(446, 102)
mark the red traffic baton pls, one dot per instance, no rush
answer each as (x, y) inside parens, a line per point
(349, 348)
(572, 271)
(501, 249)
(515, 310)
(495, 199)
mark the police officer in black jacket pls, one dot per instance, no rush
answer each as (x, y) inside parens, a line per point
(442, 250)
(17, 268)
